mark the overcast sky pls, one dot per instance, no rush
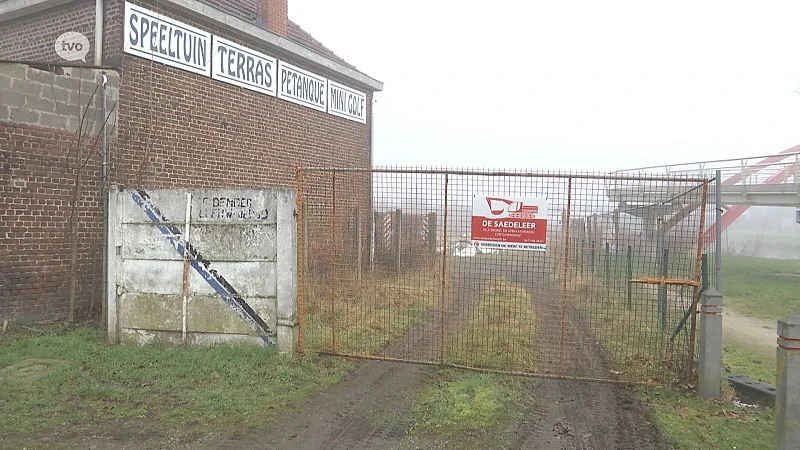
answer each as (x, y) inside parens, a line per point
(570, 84)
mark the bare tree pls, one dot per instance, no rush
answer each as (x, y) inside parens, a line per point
(83, 146)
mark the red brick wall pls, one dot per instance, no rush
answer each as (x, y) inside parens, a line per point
(175, 129)
(36, 189)
(33, 37)
(276, 15)
(181, 129)
(246, 10)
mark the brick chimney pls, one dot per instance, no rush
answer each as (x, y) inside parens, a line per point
(275, 13)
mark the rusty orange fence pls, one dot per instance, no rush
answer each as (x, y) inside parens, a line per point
(567, 275)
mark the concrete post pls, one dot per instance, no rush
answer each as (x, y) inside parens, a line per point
(286, 270)
(787, 398)
(710, 370)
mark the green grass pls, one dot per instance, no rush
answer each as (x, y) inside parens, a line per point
(471, 409)
(635, 346)
(360, 318)
(761, 287)
(688, 422)
(741, 360)
(128, 391)
(499, 334)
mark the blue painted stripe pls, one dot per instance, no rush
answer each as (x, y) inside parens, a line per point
(217, 282)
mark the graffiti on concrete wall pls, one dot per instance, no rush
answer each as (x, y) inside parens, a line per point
(231, 209)
(202, 265)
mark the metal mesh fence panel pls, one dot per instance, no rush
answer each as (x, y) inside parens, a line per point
(391, 268)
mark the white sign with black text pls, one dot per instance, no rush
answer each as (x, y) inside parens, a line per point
(299, 86)
(346, 102)
(234, 64)
(152, 36)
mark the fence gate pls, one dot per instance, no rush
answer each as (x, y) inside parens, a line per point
(566, 275)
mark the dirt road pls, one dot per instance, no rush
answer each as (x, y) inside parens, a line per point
(754, 333)
(367, 409)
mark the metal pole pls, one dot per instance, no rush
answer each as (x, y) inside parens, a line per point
(104, 194)
(718, 230)
(398, 232)
(333, 281)
(304, 224)
(630, 275)
(564, 280)
(704, 272)
(359, 244)
(662, 291)
(443, 299)
(662, 266)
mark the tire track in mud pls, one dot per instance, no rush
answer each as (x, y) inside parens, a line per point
(362, 411)
(351, 414)
(569, 414)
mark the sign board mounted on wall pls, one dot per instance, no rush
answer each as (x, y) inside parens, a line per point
(302, 87)
(152, 36)
(509, 223)
(238, 65)
(346, 102)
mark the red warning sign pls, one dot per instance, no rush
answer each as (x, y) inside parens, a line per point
(509, 223)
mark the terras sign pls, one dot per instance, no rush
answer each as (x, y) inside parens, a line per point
(152, 36)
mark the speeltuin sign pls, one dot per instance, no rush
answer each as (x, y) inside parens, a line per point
(151, 35)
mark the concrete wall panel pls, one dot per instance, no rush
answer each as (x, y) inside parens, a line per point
(235, 243)
(151, 276)
(240, 280)
(145, 241)
(151, 311)
(249, 279)
(207, 314)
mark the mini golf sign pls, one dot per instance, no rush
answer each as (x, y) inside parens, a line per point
(509, 223)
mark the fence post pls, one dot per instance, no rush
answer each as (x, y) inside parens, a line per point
(432, 233)
(710, 370)
(305, 239)
(630, 275)
(358, 243)
(397, 227)
(373, 252)
(662, 290)
(787, 397)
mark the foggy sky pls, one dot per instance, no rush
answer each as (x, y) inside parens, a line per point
(570, 85)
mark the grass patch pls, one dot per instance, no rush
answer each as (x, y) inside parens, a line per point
(499, 334)
(634, 344)
(469, 408)
(129, 391)
(688, 422)
(359, 318)
(761, 287)
(740, 360)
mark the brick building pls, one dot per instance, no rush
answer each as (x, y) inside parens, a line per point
(211, 93)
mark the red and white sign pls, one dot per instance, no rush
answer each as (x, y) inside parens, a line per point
(509, 223)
